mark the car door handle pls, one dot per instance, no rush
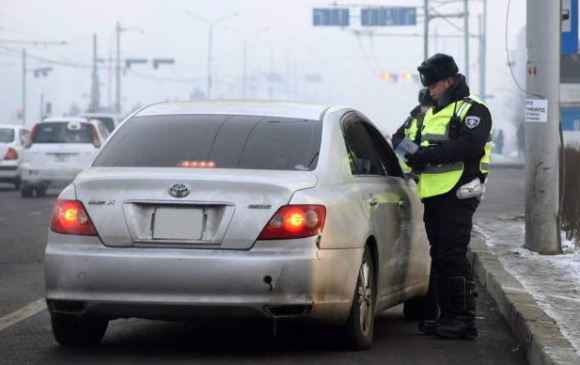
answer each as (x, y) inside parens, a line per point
(373, 201)
(403, 204)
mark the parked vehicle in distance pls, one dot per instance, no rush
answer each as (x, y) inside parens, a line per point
(12, 141)
(57, 150)
(257, 209)
(111, 121)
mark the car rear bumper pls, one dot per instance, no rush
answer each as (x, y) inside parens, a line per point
(9, 170)
(275, 278)
(48, 177)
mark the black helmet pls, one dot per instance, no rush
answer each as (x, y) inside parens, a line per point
(436, 68)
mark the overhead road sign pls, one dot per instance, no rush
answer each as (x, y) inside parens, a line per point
(331, 17)
(388, 16)
(569, 27)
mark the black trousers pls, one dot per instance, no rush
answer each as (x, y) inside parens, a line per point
(448, 222)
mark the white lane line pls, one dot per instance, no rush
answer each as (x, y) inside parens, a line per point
(2, 219)
(35, 213)
(22, 314)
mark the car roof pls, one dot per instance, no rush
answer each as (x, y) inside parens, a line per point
(13, 126)
(99, 115)
(281, 109)
(66, 120)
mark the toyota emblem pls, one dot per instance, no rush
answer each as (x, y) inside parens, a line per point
(179, 190)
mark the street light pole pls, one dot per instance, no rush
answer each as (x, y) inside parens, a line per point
(118, 70)
(466, 37)
(24, 86)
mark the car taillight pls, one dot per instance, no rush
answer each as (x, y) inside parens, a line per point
(31, 136)
(295, 221)
(11, 154)
(71, 217)
(96, 140)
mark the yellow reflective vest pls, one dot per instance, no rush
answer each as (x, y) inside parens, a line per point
(439, 179)
(410, 133)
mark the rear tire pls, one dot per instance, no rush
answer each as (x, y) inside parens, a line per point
(423, 308)
(357, 332)
(85, 332)
(40, 191)
(26, 191)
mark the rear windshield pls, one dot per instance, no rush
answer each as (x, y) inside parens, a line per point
(63, 133)
(221, 141)
(6, 135)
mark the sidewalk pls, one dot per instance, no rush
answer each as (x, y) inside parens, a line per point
(539, 296)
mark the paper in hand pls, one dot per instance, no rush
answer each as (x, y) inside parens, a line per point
(406, 147)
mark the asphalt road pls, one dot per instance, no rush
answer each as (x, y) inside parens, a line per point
(23, 225)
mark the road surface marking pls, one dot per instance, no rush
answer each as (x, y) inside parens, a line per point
(35, 213)
(22, 314)
(2, 219)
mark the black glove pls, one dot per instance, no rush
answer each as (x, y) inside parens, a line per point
(417, 159)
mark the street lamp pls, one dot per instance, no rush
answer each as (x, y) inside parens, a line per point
(118, 31)
(210, 24)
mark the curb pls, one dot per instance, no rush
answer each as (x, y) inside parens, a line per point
(536, 332)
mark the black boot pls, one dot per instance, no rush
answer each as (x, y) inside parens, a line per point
(460, 323)
(429, 327)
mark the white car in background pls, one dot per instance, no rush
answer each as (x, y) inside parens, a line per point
(111, 121)
(57, 150)
(12, 141)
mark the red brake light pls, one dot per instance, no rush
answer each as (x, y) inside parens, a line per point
(71, 217)
(11, 154)
(96, 140)
(295, 221)
(202, 164)
(32, 136)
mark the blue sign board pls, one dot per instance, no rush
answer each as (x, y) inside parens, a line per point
(571, 119)
(331, 17)
(388, 16)
(569, 27)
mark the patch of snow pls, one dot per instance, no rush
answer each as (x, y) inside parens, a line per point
(553, 281)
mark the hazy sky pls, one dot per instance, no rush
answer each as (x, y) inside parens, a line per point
(286, 44)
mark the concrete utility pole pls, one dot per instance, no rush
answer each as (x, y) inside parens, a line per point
(426, 30)
(95, 91)
(482, 51)
(542, 136)
(466, 37)
(24, 86)
(118, 105)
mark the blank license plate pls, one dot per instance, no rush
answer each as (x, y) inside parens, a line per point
(178, 224)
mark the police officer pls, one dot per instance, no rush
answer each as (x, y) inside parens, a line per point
(452, 164)
(412, 124)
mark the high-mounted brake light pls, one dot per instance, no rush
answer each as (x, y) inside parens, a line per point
(295, 221)
(71, 217)
(11, 154)
(202, 164)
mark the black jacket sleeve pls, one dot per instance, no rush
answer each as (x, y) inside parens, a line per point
(469, 144)
(400, 133)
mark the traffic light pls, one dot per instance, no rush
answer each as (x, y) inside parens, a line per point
(20, 113)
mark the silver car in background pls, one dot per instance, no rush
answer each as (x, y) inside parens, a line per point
(279, 210)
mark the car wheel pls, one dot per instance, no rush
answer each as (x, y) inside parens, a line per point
(41, 191)
(83, 332)
(357, 332)
(26, 191)
(423, 308)
(17, 183)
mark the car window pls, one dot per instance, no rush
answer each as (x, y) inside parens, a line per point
(63, 132)
(23, 137)
(384, 151)
(107, 121)
(221, 141)
(103, 130)
(363, 159)
(6, 135)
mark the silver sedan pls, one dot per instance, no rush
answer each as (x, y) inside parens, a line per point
(279, 210)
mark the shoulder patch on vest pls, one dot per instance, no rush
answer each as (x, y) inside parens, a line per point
(472, 122)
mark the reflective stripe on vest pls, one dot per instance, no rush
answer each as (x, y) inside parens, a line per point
(437, 180)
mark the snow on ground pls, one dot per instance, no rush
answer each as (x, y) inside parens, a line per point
(553, 281)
